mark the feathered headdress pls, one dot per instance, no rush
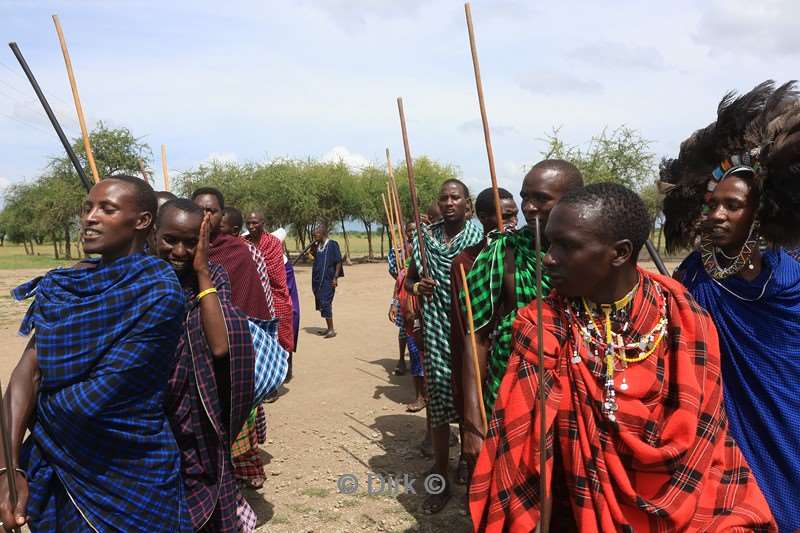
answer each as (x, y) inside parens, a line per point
(758, 132)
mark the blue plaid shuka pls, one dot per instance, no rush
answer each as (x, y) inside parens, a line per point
(101, 455)
(272, 361)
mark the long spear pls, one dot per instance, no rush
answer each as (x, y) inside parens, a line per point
(76, 97)
(412, 187)
(164, 168)
(50, 115)
(11, 471)
(544, 510)
(484, 119)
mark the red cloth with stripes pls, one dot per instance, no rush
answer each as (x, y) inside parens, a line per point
(272, 250)
(666, 464)
(246, 291)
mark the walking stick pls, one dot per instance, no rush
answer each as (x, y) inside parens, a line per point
(474, 342)
(654, 255)
(387, 209)
(544, 511)
(391, 212)
(412, 188)
(164, 166)
(50, 115)
(76, 97)
(484, 119)
(11, 473)
(400, 220)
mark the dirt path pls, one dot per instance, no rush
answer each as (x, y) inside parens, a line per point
(342, 414)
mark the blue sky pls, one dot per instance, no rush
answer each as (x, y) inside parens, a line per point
(255, 80)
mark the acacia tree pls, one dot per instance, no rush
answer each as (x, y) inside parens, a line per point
(621, 155)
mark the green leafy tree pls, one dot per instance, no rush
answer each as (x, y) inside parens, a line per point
(621, 155)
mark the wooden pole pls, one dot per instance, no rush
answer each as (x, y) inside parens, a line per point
(544, 509)
(474, 342)
(484, 119)
(397, 244)
(412, 187)
(400, 219)
(76, 97)
(11, 471)
(164, 166)
(387, 206)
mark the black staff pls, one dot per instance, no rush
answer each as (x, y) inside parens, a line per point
(53, 120)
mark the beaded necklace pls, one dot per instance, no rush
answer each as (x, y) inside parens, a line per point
(612, 345)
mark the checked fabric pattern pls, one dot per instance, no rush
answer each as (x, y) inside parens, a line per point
(485, 289)
(261, 268)
(101, 448)
(436, 315)
(202, 427)
(271, 361)
(666, 464)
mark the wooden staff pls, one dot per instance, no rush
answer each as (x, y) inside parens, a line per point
(76, 97)
(484, 119)
(164, 166)
(11, 471)
(397, 244)
(50, 115)
(412, 188)
(400, 220)
(544, 509)
(390, 222)
(474, 342)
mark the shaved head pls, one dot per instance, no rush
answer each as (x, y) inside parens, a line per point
(570, 176)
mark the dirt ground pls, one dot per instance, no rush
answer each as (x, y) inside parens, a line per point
(342, 415)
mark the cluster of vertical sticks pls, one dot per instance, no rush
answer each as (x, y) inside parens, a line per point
(394, 214)
(544, 518)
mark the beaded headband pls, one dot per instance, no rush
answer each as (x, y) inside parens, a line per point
(745, 162)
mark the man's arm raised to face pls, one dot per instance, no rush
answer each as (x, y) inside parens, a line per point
(19, 403)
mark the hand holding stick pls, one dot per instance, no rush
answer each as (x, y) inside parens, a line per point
(10, 468)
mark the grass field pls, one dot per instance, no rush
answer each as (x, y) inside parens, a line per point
(12, 256)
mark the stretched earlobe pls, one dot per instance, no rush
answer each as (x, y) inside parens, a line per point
(623, 250)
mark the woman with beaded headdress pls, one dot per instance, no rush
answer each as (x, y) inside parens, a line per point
(734, 193)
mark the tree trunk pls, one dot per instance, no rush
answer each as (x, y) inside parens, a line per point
(55, 246)
(347, 260)
(39, 239)
(33, 252)
(25, 244)
(368, 229)
(67, 242)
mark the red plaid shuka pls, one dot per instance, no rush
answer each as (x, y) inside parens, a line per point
(271, 248)
(261, 268)
(246, 291)
(667, 464)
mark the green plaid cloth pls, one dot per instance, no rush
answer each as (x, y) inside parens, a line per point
(485, 289)
(436, 314)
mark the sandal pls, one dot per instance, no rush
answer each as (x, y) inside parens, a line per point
(329, 335)
(436, 502)
(400, 369)
(416, 406)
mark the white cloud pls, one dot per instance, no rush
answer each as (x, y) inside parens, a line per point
(351, 159)
(472, 126)
(555, 83)
(221, 157)
(620, 55)
(759, 29)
